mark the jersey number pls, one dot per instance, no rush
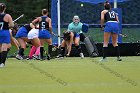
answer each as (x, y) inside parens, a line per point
(1, 25)
(112, 14)
(43, 25)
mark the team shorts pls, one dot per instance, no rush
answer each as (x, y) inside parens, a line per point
(22, 32)
(112, 27)
(44, 34)
(5, 36)
(76, 35)
(33, 33)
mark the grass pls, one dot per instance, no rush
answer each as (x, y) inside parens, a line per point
(71, 75)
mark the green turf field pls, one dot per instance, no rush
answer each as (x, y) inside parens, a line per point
(71, 75)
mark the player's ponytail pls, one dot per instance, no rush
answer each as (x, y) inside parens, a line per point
(107, 5)
(2, 7)
(44, 11)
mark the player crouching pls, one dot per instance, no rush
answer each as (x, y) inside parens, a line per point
(68, 38)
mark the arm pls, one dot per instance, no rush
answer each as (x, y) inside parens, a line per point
(69, 27)
(35, 21)
(10, 20)
(50, 26)
(81, 24)
(117, 18)
(31, 25)
(102, 19)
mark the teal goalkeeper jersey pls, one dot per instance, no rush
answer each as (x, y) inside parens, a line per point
(75, 27)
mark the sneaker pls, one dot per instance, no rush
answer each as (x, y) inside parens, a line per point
(59, 56)
(103, 60)
(67, 55)
(19, 57)
(119, 59)
(2, 65)
(94, 54)
(29, 58)
(48, 57)
(81, 55)
(36, 57)
(42, 59)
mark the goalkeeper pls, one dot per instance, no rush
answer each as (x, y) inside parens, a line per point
(76, 28)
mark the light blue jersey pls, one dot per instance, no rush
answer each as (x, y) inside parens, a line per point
(75, 27)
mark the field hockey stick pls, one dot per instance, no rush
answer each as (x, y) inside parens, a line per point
(123, 35)
(57, 35)
(13, 54)
(18, 18)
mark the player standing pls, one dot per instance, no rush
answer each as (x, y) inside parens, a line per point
(111, 29)
(6, 22)
(45, 31)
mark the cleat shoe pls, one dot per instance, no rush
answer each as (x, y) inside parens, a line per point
(81, 55)
(48, 57)
(59, 56)
(19, 57)
(42, 59)
(67, 55)
(119, 59)
(94, 54)
(36, 57)
(2, 65)
(103, 60)
(29, 58)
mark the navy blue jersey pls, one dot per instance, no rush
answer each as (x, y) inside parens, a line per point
(110, 16)
(28, 27)
(44, 24)
(3, 24)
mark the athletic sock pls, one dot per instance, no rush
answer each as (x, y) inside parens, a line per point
(62, 51)
(105, 52)
(79, 49)
(50, 50)
(41, 52)
(32, 51)
(3, 56)
(37, 51)
(21, 51)
(117, 50)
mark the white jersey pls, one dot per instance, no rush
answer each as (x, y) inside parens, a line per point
(33, 33)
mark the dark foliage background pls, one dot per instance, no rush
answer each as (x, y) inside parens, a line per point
(89, 13)
(30, 8)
